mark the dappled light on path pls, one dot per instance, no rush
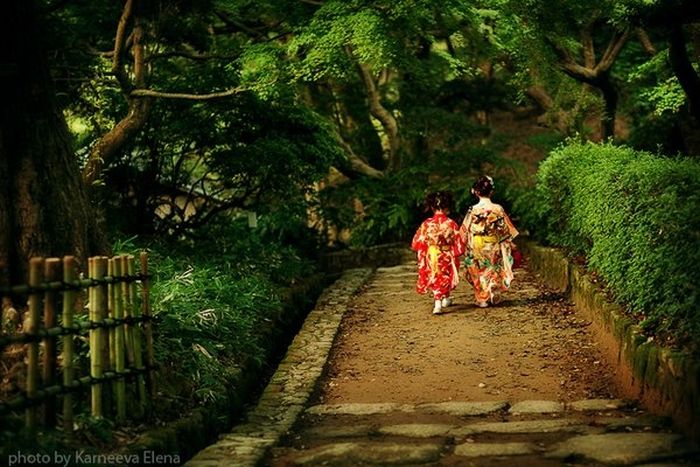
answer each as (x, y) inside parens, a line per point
(520, 383)
(532, 345)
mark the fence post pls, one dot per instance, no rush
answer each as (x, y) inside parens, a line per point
(115, 294)
(36, 270)
(111, 354)
(120, 384)
(104, 333)
(147, 328)
(69, 276)
(52, 273)
(110, 314)
(136, 335)
(96, 306)
(128, 297)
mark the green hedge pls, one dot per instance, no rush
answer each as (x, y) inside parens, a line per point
(636, 218)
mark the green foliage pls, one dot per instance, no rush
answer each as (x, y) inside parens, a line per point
(545, 141)
(213, 297)
(658, 104)
(636, 218)
(391, 209)
(255, 155)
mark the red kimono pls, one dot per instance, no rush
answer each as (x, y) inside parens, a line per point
(438, 245)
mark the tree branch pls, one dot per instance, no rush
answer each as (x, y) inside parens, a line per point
(378, 111)
(614, 47)
(139, 93)
(569, 65)
(119, 43)
(139, 54)
(112, 142)
(644, 39)
(588, 48)
(357, 165)
(578, 72)
(200, 57)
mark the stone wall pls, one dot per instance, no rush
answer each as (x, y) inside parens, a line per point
(662, 378)
(292, 384)
(196, 429)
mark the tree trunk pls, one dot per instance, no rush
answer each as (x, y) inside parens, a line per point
(109, 146)
(112, 143)
(44, 209)
(385, 117)
(683, 69)
(610, 97)
(557, 119)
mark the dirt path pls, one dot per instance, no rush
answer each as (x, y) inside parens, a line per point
(531, 346)
(520, 384)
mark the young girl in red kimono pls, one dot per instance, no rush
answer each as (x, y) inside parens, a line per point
(488, 233)
(438, 246)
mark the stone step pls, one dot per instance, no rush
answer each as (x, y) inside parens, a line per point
(624, 448)
(452, 408)
(581, 425)
(474, 408)
(605, 449)
(363, 453)
(428, 430)
(536, 433)
(401, 268)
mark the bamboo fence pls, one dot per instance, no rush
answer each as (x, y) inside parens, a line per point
(68, 353)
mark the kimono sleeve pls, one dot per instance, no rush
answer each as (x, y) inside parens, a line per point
(512, 231)
(418, 243)
(458, 247)
(464, 230)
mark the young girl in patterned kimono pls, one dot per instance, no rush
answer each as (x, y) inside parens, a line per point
(438, 246)
(488, 233)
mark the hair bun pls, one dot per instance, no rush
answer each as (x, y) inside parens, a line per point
(483, 186)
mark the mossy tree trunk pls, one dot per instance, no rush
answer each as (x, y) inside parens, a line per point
(44, 209)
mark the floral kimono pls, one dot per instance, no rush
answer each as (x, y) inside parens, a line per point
(488, 233)
(438, 246)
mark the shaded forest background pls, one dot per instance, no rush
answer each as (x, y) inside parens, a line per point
(240, 139)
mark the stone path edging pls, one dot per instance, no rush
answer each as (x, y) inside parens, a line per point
(662, 378)
(292, 384)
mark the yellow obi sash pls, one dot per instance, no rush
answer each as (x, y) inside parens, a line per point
(480, 240)
(434, 255)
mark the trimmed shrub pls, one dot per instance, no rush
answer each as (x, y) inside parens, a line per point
(636, 218)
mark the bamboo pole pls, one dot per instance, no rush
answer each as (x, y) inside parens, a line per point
(96, 336)
(52, 272)
(105, 335)
(112, 353)
(128, 294)
(68, 309)
(120, 384)
(148, 326)
(137, 335)
(110, 312)
(36, 271)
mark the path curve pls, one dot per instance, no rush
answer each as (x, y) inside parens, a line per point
(521, 383)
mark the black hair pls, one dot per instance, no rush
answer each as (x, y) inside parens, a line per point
(483, 186)
(438, 200)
